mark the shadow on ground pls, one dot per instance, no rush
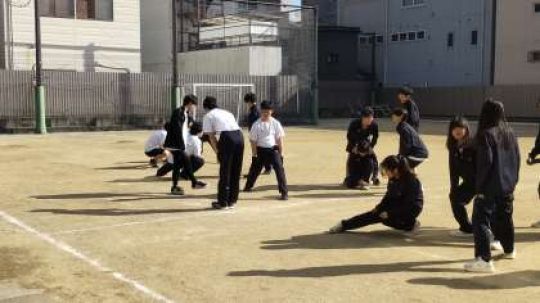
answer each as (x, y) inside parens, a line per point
(513, 280)
(357, 269)
(119, 197)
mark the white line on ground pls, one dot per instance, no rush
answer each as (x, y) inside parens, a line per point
(81, 256)
(210, 213)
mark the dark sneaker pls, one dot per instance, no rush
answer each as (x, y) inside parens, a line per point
(198, 185)
(284, 197)
(376, 182)
(218, 206)
(175, 190)
(247, 190)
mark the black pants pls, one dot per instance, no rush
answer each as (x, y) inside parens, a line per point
(371, 218)
(375, 167)
(536, 149)
(231, 155)
(196, 164)
(358, 168)
(497, 213)
(182, 162)
(459, 198)
(267, 157)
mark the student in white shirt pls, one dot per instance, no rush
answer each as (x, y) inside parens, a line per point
(229, 149)
(266, 137)
(153, 148)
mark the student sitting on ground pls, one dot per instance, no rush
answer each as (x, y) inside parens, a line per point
(266, 137)
(401, 205)
(193, 151)
(411, 145)
(359, 166)
(153, 148)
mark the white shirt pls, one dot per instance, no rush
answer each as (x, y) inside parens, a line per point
(185, 127)
(219, 120)
(265, 134)
(194, 146)
(156, 140)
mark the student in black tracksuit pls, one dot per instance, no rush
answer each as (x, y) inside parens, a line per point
(411, 145)
(175, 144)
(462, 165)
(405, 98)
(361, 131)
(229, 149)
(401, 205)
(497, 174)
(253, 115)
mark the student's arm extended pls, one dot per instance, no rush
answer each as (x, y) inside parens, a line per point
(375, 138)
(253, 148)
(454, 177)
(213, 142)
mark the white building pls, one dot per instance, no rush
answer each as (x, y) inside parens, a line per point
(77, 35)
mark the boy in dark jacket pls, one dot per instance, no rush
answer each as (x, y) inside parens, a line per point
(401, 205)
(405, 98)
(411, 145)
(175, 143)
(363, 130)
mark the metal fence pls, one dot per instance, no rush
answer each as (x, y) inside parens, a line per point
(121, 100)
(520, 100)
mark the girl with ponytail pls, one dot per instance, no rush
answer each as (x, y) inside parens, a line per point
(401, 205)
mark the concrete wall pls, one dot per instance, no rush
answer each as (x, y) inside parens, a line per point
(518, 33)
(71, 44)
(245, 60)
(156, 45)
(429, 61)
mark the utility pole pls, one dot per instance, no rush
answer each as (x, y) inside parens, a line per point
(175, 95)
(39, 94)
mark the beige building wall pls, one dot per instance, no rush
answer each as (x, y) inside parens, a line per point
(80, 45)
(518, 33)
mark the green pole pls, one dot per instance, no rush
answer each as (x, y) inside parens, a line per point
(175, 97)
(39, 97)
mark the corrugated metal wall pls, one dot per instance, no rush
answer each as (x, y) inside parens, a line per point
(119, 100)
(520, 101)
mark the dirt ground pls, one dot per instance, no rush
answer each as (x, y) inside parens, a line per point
(82, 219)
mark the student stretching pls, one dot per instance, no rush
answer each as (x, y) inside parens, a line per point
(497, 172)
(411, 145)
(401, 205)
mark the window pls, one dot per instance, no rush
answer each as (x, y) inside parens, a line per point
(534, 56)
(395, 37)
(77, 9)
(402, 36)
(332, 58)
(411, 36)
(450, 40)
(370, 39)
(474, 37)
(537, 7)
(362, 40)
(380, 39)
(412, 3)
(421, 35)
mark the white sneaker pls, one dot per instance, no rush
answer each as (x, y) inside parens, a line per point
(536, 224)
(459, 234)
(336, 229)
(496, 245)
(510, 256)
(480, 266)
(415, 230)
